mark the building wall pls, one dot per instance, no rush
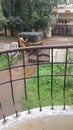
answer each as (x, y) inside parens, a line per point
(67, 16)
(71, 1)
(64, 22)
(64, 30)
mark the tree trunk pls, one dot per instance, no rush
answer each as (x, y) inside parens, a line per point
(5, 29)
(12, 31)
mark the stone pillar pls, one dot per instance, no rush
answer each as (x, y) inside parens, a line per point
(59, 55)
(48, 33)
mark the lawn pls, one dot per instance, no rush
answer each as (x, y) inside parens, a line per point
(45, 87)
(3, 61)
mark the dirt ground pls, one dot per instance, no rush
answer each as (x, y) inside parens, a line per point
(5, 90)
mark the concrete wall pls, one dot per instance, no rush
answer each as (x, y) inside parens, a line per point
(57, 119)
(46, 123)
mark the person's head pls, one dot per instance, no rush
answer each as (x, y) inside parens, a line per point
(21, 38)
(24, 38)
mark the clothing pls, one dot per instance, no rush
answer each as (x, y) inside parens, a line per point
(22, 40)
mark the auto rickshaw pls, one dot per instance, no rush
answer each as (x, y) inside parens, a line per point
(32, 38)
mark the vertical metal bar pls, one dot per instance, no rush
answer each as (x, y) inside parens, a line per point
(11, 85)
(64, 88)
(3, 115)
(2, 112)
(25, 90)
(38, 87)
(52, 79)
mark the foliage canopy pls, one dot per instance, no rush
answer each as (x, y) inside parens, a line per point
(28, 13)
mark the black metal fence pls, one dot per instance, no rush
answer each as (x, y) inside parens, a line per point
(44, 55)
(62, 30)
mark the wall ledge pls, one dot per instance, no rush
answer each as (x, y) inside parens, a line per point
(34, 114)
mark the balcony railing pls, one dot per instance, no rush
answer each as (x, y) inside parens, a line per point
(44, 55)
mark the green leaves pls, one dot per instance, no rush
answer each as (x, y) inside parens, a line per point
(28, 13)
(3, 20)
(15, 22)
(3, 61)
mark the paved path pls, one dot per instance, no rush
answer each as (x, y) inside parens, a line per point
(52, 40)
(4, 46)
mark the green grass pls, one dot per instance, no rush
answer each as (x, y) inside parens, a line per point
(45, 85)
(45, 88)
(3, 61)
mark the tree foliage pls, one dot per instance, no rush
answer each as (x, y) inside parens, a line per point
(28, 13)
(3, 20)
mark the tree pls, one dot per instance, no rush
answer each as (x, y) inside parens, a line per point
(3, 20)
(14, 23)
(33, 13)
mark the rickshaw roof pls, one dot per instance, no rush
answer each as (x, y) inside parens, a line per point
(30, 33)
